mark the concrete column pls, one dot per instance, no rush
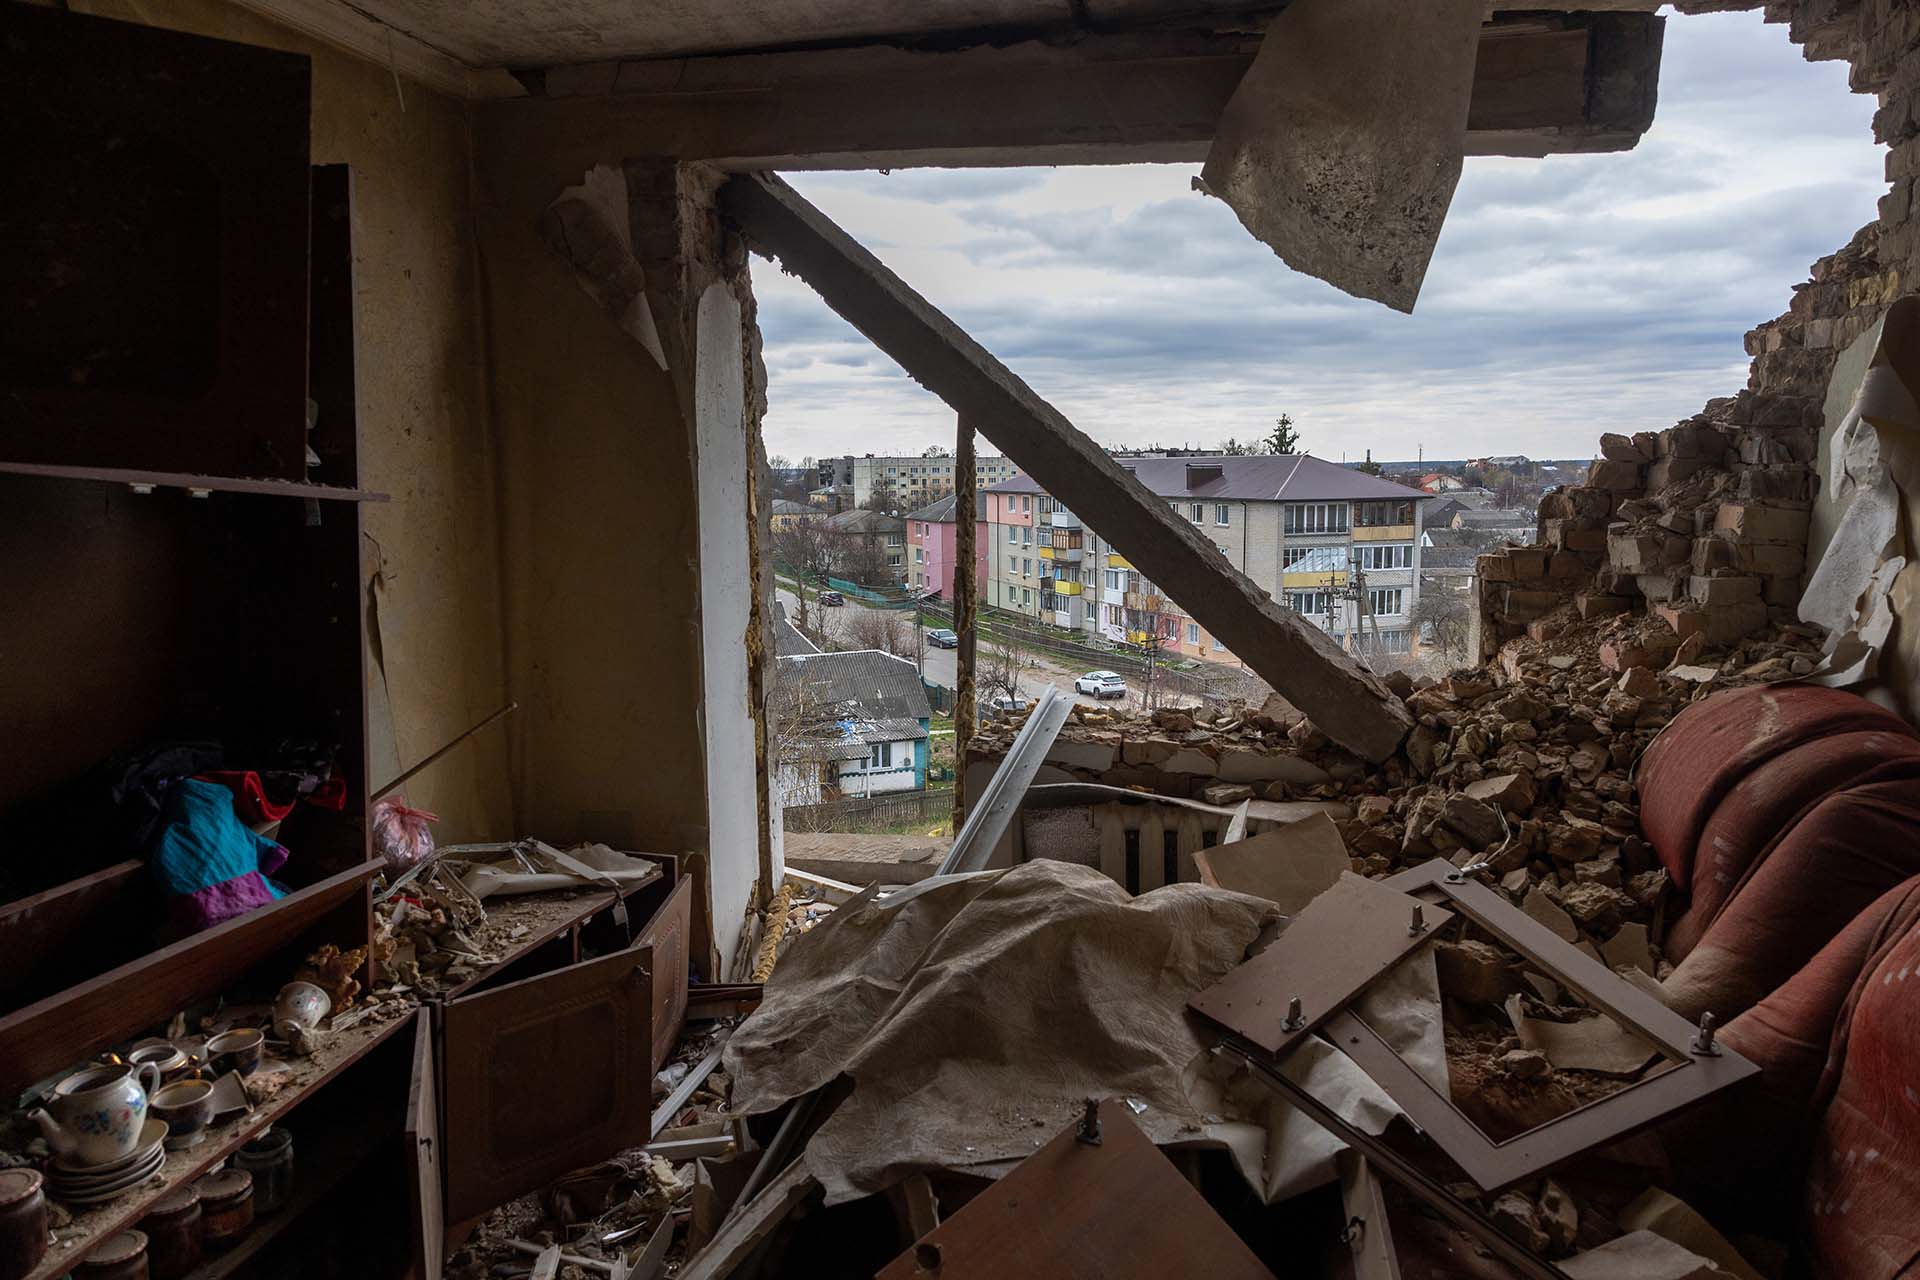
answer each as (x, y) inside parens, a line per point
(965, 609)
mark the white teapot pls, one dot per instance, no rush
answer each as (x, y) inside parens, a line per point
(98, 1113)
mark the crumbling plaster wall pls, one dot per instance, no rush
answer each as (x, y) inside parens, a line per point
(421, 408)
(1708, 522)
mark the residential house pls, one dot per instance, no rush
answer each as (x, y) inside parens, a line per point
(1313, 534)
(849, 724)
(786, 513)
(788, 640)
(909, 481)
(933, 546)
(869, 545)
(1441, 482)
(1503, 522)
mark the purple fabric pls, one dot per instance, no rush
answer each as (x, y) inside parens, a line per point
(204, 908)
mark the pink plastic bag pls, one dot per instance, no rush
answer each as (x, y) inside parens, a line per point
(401, 835)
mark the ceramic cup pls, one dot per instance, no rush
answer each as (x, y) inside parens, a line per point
(299, 1004)
(187, 1108)
(95, 1116)
(237, 1051)
(164, 1054)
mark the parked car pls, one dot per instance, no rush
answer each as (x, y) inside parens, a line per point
(942, 638)
(1000, 704)
(1102, 684)
(832, 599)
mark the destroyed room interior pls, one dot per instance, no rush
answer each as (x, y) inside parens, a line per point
(392, 883)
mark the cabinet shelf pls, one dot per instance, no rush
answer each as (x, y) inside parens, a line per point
(92, 1226)
(192, 483)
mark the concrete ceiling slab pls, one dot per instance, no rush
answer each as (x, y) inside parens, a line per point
(541, 33)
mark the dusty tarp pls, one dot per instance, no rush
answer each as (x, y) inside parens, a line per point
(1343, 143)
(975, 1013)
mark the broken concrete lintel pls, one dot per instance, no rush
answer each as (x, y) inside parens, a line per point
(1346, 701)
(1342, 146)
(1543, 84)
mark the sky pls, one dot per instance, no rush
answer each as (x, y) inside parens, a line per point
(1568, 296)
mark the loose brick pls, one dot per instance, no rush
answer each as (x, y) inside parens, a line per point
(1761, 523)
(1723, 590)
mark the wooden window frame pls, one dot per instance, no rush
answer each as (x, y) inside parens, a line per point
(1693, 1077)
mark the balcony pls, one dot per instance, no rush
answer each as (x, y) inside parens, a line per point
(1144, 603)
(1067, 586)
(1117, 561)
(1069, 555)
(1313, 578)
(1064, 519)
(1383, 533)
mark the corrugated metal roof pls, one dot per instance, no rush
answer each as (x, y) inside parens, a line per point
(941, 512)
(1288, 477)
(863, 684)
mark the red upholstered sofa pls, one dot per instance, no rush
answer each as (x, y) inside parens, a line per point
(1781, 812)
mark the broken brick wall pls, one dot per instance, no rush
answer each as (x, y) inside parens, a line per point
(1706, 523)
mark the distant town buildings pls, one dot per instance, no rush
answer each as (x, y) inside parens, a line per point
(852, 481)
(1334, 544)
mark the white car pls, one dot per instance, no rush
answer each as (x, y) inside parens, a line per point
(1102, 684)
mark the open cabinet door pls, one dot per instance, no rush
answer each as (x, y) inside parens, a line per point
(423, 1147)
(666, 936)
(544, 1076)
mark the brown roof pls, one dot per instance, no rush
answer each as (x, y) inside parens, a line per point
(1289, 477)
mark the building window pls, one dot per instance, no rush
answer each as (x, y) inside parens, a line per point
(1316, 517)
(895, 560)
(1384, 555)
(1374, 515)
(1026, 567)
(1312, 603)
(896, 539)
(1026, 596)
(1195, 511)
(1193, 633)
(1222, 514)
(919, 555)
(1392, 642)
(882, 757)
(1046, 538)
(1312, 560)
(1026, 502)
(1386, 600)
(1013, 564)
(1046, 506)
(1113, 579)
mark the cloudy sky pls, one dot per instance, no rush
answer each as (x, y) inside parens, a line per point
(1569, 296)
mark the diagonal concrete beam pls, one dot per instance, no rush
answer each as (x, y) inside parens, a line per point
(1296, 657)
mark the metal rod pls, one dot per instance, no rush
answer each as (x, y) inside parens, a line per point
(1392, 1164)
(504, 711)
(667, 1110)
(992, 811)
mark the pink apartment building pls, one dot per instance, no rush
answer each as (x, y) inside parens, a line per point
(932, 550)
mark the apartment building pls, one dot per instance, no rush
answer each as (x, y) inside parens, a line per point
(913, 481)
(933, 546)
(1336, 545)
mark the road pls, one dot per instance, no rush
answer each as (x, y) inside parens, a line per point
(938, 665)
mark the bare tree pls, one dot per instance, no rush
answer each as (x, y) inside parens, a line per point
(1150, 670)
(1002, 664)
(805, 550)
(1443, 614)
(863, 558)
(806, 734)
(882, 629)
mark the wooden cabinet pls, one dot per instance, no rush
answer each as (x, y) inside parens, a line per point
(180, 559)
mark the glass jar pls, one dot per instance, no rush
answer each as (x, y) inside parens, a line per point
(226, 1207)
(269, 1158)
(174, 1233)
(120, 1257)
(23, 1222)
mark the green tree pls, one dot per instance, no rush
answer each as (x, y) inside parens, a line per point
(1283, 438)
(1371, 467)
(1239, 449)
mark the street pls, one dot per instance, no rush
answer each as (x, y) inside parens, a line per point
(938, 665)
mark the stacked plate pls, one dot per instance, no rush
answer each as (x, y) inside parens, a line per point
(80, 1184)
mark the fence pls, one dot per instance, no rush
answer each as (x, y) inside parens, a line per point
(928, 808)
